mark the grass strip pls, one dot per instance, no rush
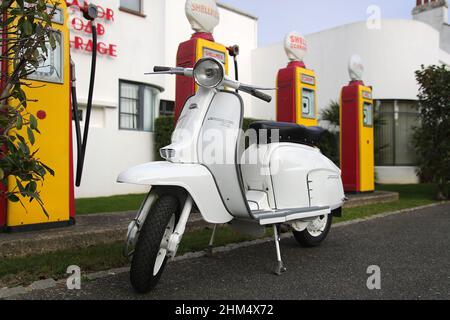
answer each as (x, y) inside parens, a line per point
(25, 270)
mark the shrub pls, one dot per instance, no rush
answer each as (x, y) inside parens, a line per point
(164, 127)
(28, 30)
(432, 137)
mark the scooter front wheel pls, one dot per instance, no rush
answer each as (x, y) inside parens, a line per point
(150, 255)
(315, 233)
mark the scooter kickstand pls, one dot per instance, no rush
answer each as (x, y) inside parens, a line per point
(279, 268)
(209, 251)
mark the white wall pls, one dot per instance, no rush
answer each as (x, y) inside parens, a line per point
(445, 38)
(396, 175)
(391, 55)
(142, 42)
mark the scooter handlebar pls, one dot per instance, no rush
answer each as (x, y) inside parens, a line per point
(227, 82)
(256, 93)
(161, 69)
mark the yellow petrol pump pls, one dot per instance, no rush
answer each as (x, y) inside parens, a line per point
(51, 91)
(357, 135)
(296, 86)
(204, 17)
(52, 87)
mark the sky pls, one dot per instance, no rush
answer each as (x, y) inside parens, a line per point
(278, 17)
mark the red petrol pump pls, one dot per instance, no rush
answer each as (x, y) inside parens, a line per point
(357, 135)
(296, 85)
(203, 16)
(55, 95)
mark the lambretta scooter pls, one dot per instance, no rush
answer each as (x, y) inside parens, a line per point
(282, 178)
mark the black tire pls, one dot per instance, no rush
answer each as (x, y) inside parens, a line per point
(306, 239)
(147, 247)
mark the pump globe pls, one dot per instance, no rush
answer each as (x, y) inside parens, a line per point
(203, 15)
(356, 68)
(295, 46)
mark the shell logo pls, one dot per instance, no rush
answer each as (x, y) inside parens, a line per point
(203, 15)
(295, 46)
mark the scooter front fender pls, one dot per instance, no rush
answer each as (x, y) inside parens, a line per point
(196, 179)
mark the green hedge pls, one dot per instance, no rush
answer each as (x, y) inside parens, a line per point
(164, 127)
(163, 133)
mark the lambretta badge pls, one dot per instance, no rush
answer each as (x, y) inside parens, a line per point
(193, 106)
(223, 122)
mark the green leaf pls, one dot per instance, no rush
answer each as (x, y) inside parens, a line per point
(2, 174)
(20, 186)
(19, 122)
(50, 170)
(20, 3)
(31, 187)
(52, 40)
(33, 122)
(13, 198)
(27, 27)
(8, 21)
(30, 135)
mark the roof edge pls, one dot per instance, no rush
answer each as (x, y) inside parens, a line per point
(236, 10)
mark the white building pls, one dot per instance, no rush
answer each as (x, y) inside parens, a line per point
(144, 36)
(391, 54)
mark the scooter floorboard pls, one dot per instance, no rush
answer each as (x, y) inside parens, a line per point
(286, 215)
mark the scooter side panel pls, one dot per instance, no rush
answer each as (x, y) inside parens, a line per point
(194, 178)
(289, 167)
(303, 177)
(326, 188)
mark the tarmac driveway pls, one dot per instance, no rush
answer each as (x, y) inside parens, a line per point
(411, 249)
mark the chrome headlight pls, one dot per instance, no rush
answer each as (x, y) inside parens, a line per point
(209, 72)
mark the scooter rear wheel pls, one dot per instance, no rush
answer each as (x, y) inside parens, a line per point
(315, 233)
(149, 258)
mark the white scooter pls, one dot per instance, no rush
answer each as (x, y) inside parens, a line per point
(281, 178)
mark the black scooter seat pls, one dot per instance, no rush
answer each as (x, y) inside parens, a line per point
(288, 132)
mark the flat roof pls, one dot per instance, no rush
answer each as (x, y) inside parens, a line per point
(236, 10)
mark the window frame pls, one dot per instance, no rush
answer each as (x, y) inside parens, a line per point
(165, 113)
(141, 86)
(394, 114)
(139, 13)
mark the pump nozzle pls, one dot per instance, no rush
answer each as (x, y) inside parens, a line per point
(233, 50)
(90, 12)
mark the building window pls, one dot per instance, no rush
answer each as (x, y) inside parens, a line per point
(396, 120)
(133, 6)
(166, 108)
(137, 106)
